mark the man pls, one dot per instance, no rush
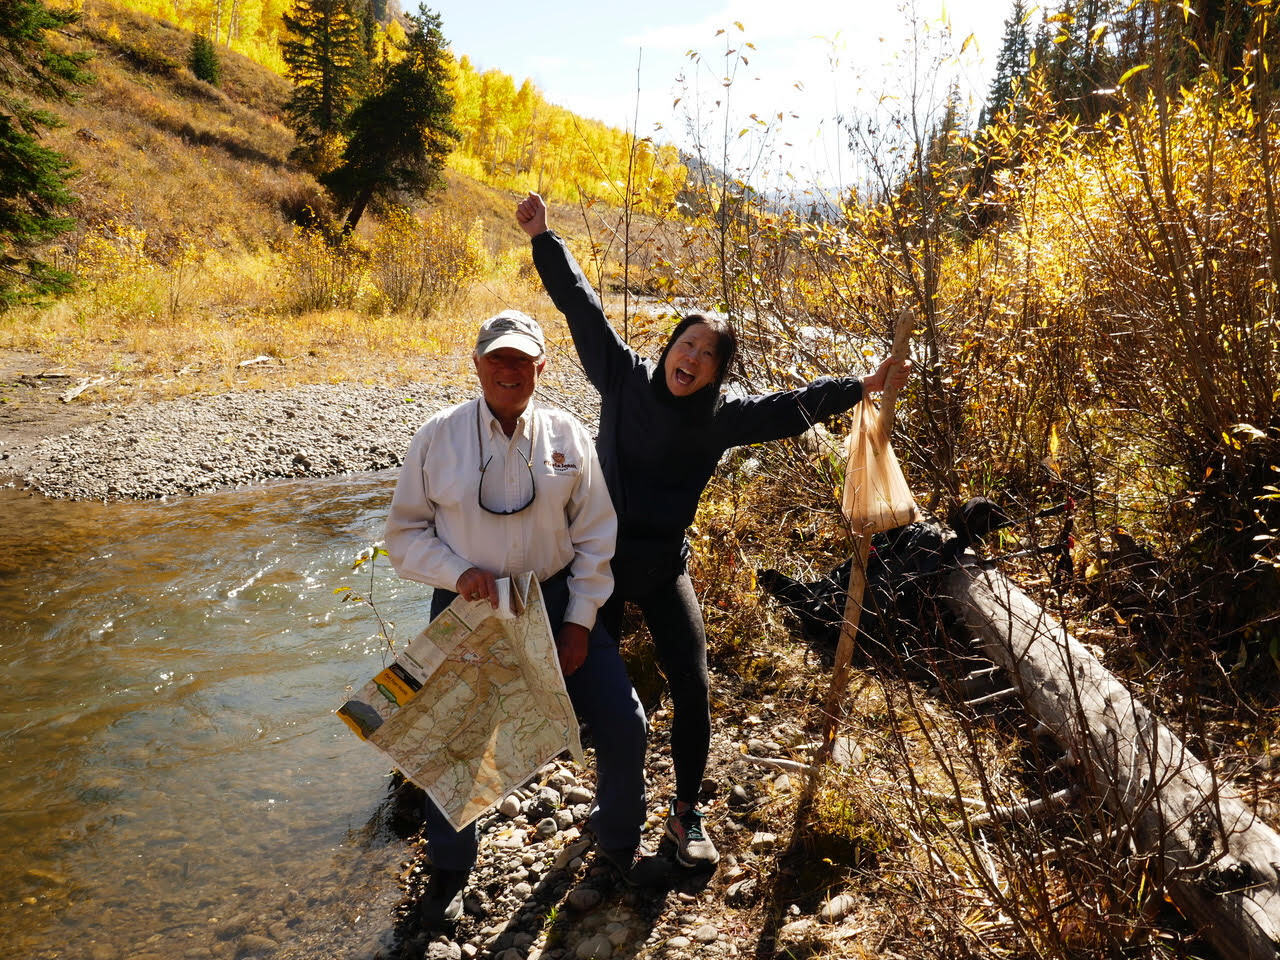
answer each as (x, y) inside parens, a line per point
(498, 486)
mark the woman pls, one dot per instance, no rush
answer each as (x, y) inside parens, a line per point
(663, 429)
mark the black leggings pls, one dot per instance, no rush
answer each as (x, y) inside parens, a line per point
(674, 619)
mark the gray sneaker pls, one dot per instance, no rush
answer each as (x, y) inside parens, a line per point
(441, 903)
(693, 847)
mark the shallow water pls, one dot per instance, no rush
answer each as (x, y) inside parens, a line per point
(172, 777)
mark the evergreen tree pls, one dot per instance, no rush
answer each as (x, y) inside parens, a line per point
(324, 51)
(203, 59)
(1081, 63)
(1012, 63)
(33, 178)
(402, 133)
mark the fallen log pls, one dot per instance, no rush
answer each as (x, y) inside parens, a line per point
(1218, 861)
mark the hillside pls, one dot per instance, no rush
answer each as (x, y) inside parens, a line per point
(187, 217)
(158, 149)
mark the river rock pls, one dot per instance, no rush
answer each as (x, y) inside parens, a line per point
(741, 891)
(584, 898)
(512, 840)
(797, 930)
(548, 797)
(578, 794)
(255, 945)
(706, 934)
(597, 947)
(232, 928)
(762, 841)
(510, 806)
(443, 949)
(837, 908)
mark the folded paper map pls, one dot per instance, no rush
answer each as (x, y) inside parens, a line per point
(475, 703)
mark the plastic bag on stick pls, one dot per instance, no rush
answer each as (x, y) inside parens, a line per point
(876, 495)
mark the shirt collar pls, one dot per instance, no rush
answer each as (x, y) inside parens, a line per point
(491, 425)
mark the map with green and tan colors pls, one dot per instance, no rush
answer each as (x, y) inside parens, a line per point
(474, 705)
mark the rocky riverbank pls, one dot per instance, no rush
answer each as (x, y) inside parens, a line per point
(73, 450)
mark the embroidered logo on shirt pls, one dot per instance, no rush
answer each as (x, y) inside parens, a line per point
(559, 464)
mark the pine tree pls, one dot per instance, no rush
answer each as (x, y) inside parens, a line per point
(402, 133)
(33, 178)
(1080, 64)
(1012, 63)
(324, 52)
(203, 59)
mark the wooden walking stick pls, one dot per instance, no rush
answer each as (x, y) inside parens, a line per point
(861, 549)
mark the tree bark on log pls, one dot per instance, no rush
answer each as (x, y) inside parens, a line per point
(1218, 860)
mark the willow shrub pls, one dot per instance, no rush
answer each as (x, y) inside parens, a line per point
(420, 263)
(324, 275)
(1148, 244)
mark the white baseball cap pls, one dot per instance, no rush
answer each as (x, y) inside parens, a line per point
(514, 329)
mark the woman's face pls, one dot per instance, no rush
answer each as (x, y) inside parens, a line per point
(693, 361)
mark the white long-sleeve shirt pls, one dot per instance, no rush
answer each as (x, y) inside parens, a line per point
(437, 530)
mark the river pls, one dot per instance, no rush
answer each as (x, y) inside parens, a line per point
(174, 782)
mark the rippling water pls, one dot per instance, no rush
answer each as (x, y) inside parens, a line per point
(172, 778)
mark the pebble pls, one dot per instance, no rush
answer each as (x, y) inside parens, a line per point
(584, 898)
(510, 806)
(546, 828)
(578, 794)
(797, 930)
(594, 948)
(254, 945)
(230, 929)
(444, 950)
(679, 943)
(763, 841)
(549, 797)
(511, 840)
(706, 934)
(837, 908)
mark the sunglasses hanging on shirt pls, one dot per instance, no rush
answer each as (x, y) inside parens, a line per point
(528, 462)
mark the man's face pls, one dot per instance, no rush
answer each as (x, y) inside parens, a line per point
(507, 378)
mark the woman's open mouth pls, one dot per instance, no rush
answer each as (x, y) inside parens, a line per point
(683, 377)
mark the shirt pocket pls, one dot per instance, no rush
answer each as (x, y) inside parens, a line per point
(453, 487)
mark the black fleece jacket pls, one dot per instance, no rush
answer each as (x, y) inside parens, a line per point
(658, 451)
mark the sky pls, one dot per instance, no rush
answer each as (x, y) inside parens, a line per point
(812, 61)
